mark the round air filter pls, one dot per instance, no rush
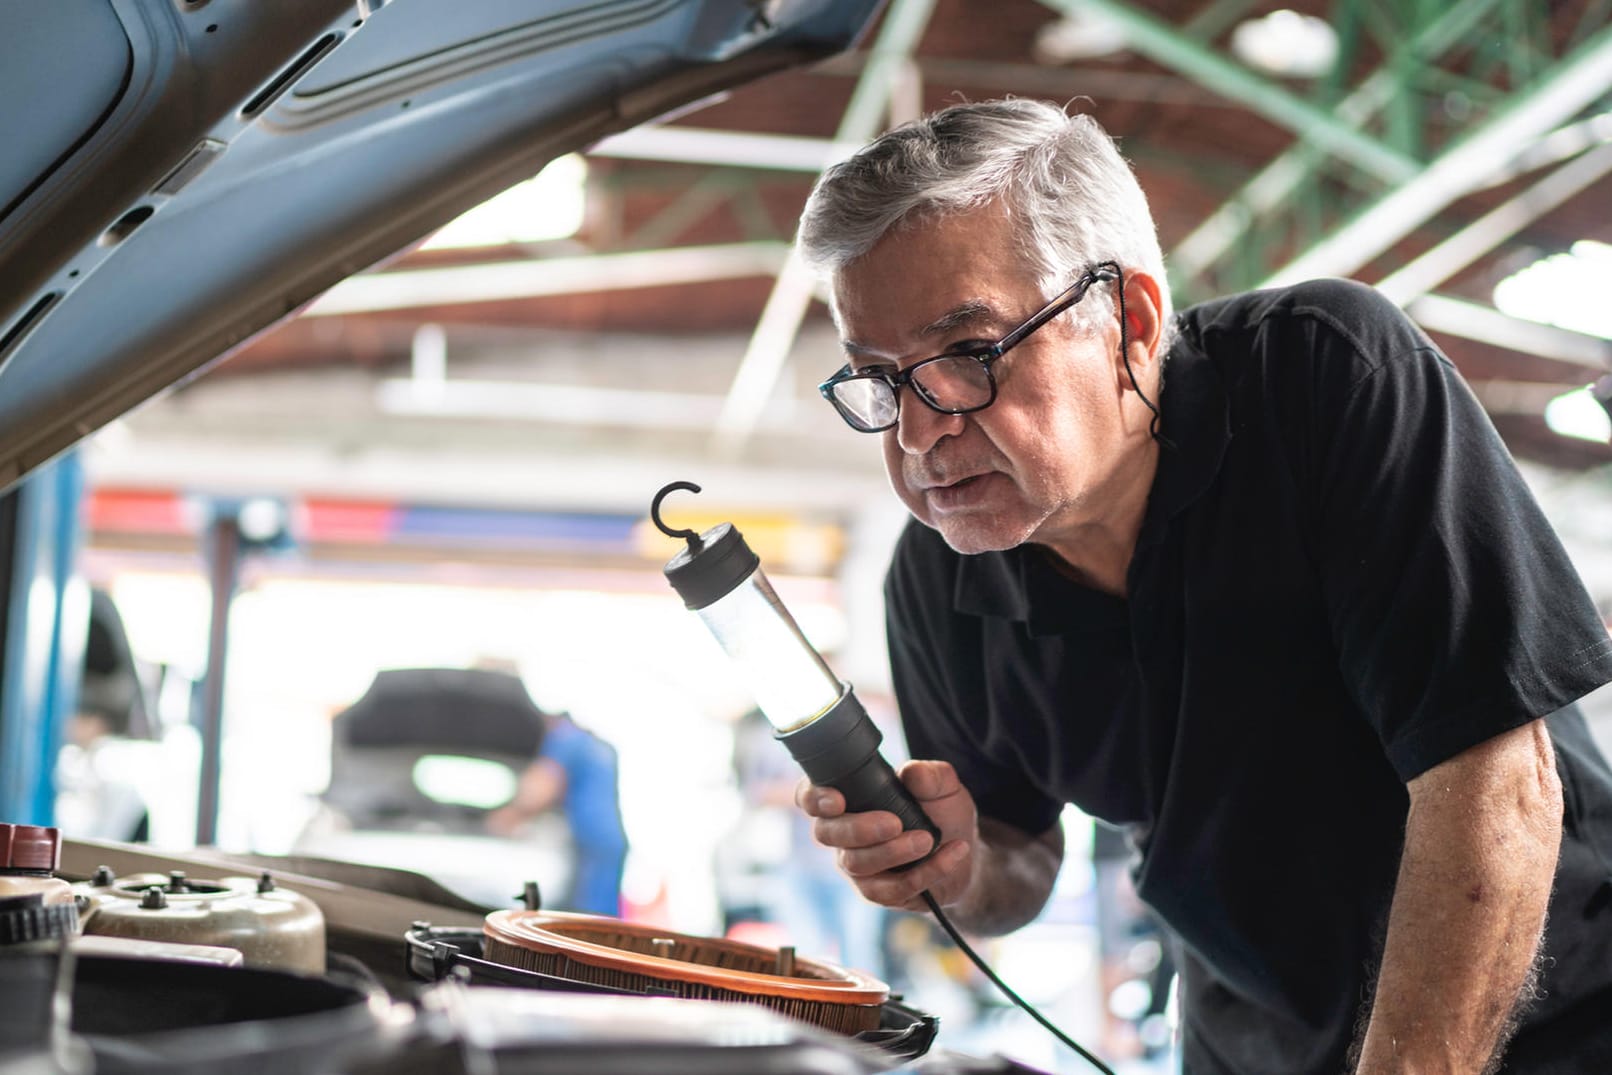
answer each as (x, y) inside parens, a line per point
(648, 959)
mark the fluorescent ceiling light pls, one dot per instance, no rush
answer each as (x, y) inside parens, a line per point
(1287, 44)
(550, 205)
(1566, 290)
(1579, 414)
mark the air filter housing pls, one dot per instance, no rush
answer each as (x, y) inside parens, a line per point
(648, 959)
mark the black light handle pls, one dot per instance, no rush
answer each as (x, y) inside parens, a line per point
(840, 750)
(874, 785)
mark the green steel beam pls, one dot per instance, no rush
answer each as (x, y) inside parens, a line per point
(1216, 18)
(1157, 40)
(1574, 83)
(1227, 227)
(693, 203)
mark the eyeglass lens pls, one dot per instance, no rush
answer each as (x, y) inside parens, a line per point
(951, 383)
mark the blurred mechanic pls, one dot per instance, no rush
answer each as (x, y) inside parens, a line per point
(1257, 582)
(575, 771)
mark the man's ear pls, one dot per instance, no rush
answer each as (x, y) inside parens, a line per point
(1144, 323)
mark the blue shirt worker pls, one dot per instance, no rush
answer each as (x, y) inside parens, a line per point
(576, 771)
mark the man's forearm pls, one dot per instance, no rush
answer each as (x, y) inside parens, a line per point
(1468, 913)
(1012, 879)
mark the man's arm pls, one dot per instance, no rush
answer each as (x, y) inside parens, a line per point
(541, 786)
(990, 876)
(1469, 908)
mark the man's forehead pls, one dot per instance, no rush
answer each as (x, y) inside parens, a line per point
(922, 326)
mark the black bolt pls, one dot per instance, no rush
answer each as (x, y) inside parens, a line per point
(266, 882)
(103, 877)
(155, 899)
(530, 897)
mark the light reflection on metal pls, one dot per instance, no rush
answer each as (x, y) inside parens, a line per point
(1473, 321)
(1421, 275)
(496, 281)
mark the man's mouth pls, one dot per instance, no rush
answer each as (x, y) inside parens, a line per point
(957, 494)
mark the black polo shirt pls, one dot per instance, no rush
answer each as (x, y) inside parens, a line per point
(1341, 581)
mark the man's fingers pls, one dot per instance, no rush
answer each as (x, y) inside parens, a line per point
(857, 830)
(896, 849)
(871, 847)
(818, 801)
(937, 875)
(930, 779)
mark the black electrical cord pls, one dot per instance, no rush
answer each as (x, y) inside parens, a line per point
(957, 939)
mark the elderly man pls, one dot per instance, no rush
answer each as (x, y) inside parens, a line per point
(1257, 582)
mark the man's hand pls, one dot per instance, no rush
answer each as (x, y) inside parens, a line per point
(992, 876)
(872, 844)
(1468, 912)
(504, 821)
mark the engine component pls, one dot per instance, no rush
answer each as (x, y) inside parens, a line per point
(648, 959)
(270, 926)
(28, 856)
(436, 953)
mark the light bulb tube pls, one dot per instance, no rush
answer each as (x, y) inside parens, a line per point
(788, 679)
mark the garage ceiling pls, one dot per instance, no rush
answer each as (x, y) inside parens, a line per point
(1449, 144)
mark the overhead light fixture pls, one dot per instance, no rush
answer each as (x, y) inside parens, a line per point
(1568, 290)
(1286, 44)
(550, 205)
(1079, 35)
(1584, 413)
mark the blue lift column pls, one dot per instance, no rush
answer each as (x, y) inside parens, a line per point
(44, 622)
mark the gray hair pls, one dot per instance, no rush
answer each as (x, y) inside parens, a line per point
(1060, 177)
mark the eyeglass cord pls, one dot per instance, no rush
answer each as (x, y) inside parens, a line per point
(1125, 356)
(978, 961)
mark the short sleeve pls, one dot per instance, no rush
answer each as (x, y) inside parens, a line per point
(1455, 611)
(935, 654)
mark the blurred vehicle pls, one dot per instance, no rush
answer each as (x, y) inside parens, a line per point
(418, 764)
(96, 792)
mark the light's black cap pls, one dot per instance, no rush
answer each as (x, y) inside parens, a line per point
(712, 566)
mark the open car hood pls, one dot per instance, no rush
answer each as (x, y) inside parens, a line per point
(179, 175)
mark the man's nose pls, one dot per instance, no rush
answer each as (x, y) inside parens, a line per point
(919, 427)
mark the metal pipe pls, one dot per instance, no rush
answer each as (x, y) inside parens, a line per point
(223, 547)
(495, 281)
(1424, 273)
(1473, 321)
(764, 357)
(1580, 81)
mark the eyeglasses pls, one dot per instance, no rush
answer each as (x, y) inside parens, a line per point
(959, 382)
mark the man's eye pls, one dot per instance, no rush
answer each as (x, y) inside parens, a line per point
(969, 347)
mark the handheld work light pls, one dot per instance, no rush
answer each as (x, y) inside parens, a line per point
(812, 713)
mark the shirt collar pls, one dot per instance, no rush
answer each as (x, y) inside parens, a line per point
(1022, 584)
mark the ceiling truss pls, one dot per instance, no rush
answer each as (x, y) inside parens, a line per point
(1433, 100)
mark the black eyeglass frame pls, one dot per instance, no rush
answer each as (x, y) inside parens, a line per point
(987, 355)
